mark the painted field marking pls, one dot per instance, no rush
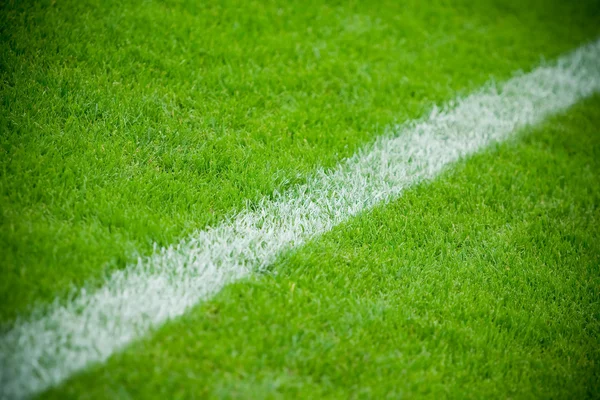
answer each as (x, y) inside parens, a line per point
(47, 347)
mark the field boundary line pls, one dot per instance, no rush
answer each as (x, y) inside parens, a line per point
(43, 349)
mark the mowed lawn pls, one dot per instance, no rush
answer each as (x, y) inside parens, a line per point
(129, 125)
(482, 284)
(126, 124)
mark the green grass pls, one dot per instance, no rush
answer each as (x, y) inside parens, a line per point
(482, 284)
(128, 123)
(124, 124)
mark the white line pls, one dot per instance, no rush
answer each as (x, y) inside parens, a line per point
(43, 350)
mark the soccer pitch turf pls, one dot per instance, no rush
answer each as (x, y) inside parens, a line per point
(129, 127)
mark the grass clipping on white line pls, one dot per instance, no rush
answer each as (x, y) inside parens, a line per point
(43, 350)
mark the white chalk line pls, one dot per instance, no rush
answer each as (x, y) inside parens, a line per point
(41, 351)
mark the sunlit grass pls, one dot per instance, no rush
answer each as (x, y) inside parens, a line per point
(482, 284)
(129, 123)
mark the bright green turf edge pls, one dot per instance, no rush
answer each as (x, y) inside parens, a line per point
(128, 123)
(482, 284)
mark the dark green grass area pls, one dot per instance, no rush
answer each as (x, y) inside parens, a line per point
(128, 123)
(482, 284)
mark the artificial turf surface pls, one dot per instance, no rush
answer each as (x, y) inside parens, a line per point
(482, 284)
(125, 124)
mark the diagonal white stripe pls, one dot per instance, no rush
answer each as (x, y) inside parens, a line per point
(44, 349)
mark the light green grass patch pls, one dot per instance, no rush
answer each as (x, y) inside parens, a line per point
(482, 284)
(125, 124)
